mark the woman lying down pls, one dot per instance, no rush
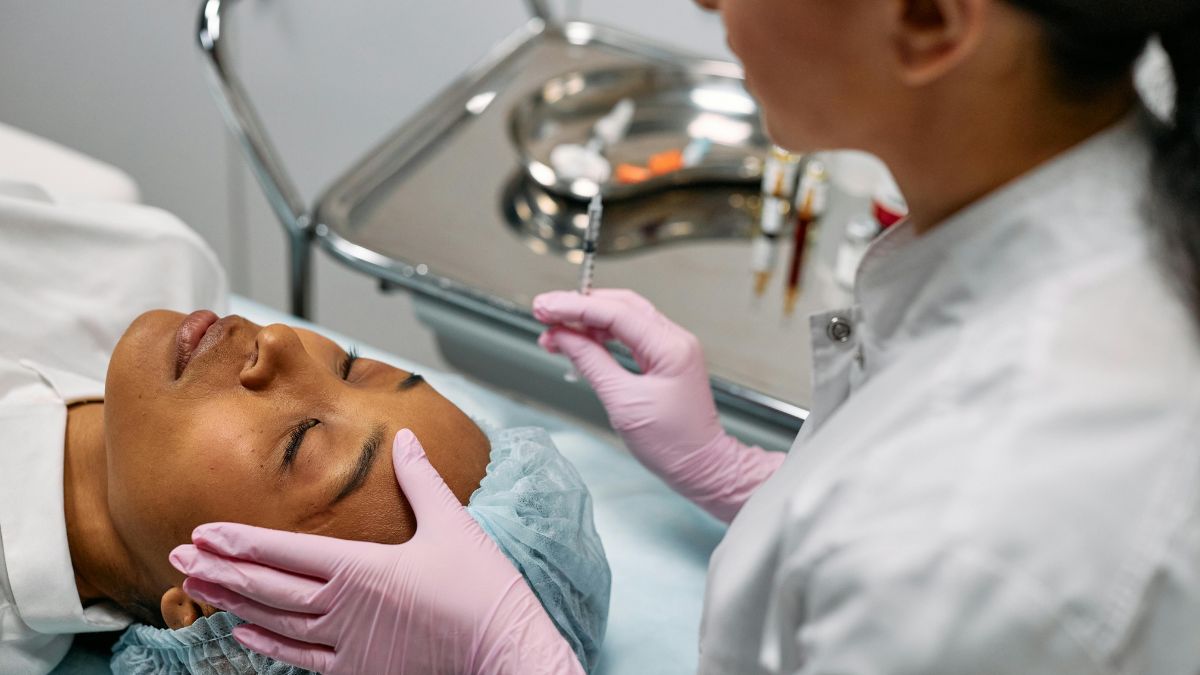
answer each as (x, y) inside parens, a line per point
(205, 419)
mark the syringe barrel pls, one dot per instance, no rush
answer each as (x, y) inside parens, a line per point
(764, 252)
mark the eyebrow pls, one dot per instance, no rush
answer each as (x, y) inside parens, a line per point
(409, 382)
(362, 468)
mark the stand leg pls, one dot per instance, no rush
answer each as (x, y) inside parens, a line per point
(300, 273)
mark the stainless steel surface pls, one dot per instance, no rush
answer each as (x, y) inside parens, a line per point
(539, 9)
(445, 208)
(550, 225)
(531, 374)
(675, 105)
(244, 122)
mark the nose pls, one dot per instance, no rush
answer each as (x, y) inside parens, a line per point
(278, 353)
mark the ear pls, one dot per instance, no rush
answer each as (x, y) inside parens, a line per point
(180, 611)
(934, 36)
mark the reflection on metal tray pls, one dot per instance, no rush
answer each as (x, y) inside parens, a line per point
(550, 224)
(674, 106)
(424, 211)
(435, 209)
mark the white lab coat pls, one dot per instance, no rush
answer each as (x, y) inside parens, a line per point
(72, 277)
(1001, 473)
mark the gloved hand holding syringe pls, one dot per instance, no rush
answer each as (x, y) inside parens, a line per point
(666, 413)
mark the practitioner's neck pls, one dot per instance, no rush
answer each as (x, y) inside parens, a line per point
(102, 564)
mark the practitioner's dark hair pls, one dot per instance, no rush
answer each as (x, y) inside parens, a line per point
(1095, 45)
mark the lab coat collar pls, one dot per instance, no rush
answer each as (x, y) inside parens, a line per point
(36, 554)
(909, 285)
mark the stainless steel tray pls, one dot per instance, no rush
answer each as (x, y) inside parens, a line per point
(445, 208)
(551, 224)
(674, 106)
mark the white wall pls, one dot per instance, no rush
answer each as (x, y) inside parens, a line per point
(123, 81)
(118, 81)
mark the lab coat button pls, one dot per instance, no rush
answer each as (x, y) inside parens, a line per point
(839, 329)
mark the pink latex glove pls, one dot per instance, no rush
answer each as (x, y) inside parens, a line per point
(446, 601)
(666, 415)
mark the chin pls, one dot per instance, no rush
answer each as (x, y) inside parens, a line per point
(151, 327)
(790, 136)
(781, 137)
(141, 362)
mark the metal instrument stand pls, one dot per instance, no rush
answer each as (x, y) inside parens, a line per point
(475, 260)
(268, 168)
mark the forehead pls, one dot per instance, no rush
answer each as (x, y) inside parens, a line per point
(312, 338)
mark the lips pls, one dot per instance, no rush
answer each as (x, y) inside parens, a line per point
(190, 336)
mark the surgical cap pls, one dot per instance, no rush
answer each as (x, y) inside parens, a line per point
(532, 503)
(206, 647)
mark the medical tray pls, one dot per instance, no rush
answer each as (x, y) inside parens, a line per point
(446, 209)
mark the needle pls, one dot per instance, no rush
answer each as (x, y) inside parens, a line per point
(587, 272)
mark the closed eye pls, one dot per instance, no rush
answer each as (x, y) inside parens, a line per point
(348, 363)
(295, 440)
(409, 382)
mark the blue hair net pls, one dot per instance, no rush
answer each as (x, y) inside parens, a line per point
(206, 647)
(532, 503)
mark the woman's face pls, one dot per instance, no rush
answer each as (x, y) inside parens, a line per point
(817, 67)
(273, 426)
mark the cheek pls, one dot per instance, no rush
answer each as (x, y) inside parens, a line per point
(198, 468)
(138, 409)
(142, 363)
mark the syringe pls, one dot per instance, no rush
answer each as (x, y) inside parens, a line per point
(778, 189)
(812, 200)
(588, 269)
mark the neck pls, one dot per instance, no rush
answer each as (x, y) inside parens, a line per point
(980, 148)
(102, 566)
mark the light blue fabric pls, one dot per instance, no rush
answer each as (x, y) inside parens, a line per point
(534, 504)
(206, 647)
(531, 502)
